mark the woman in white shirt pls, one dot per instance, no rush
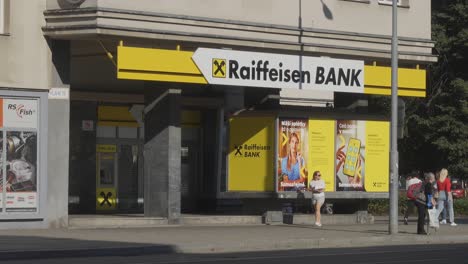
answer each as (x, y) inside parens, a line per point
(317, 186)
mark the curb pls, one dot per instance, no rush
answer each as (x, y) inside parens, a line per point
(317, 243)
(243, 246)
(94, 252)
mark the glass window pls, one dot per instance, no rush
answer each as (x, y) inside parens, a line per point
(128, 132)
(106, 132)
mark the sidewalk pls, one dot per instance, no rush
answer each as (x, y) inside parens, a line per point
(53, 243)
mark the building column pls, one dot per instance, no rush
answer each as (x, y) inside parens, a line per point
(58, 135)
(162, 163)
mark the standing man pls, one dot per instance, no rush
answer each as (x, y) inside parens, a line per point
(410, 180)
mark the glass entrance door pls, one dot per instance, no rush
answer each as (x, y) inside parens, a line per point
(128, 178)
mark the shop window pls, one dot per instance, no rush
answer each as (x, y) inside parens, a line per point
(128, 132)
(106, 131)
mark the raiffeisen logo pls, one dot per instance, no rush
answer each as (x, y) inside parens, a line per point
(264, 71)
(21, 110)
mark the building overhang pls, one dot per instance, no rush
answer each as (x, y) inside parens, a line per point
(96, 22)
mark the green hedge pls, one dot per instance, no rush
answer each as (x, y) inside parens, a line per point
(460, 206)
(381, 206)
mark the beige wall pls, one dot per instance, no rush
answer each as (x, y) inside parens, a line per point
(25, 55)
(370, 18)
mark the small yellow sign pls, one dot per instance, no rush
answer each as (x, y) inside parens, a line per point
(219, 68)
(106, 148)
(106, 199)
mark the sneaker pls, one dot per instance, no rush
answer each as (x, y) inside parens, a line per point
(405, 220)
(453, 224)
(318, 224)
(443, 222)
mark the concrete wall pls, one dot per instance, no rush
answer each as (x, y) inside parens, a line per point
(363, 17)
(58, 152)
(58, 136)
(25, 55)
(27, 63)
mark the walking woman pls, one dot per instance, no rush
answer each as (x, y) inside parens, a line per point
(317, 186)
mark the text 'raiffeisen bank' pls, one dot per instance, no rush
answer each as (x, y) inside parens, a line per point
(229, 67)
(263, 71)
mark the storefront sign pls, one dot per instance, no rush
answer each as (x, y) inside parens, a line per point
(19, 113)
(59, 93)
(240, 68)
(251, 153)
(106, 148)
(106, 199)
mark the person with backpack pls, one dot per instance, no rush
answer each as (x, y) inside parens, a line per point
(412, 179)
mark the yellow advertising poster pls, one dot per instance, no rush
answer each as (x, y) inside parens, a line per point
(293, 151)
(251, 154)
(106, 199)
(377, 154)
(351, 155)
(321, 152)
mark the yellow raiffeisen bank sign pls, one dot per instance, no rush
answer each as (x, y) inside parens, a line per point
(255, 69)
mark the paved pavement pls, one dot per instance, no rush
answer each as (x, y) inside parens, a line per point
(53, 243)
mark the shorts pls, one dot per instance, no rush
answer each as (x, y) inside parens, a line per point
(318, 198)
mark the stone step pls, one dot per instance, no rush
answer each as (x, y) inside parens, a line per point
(115, 222)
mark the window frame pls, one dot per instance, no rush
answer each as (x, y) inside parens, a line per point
(389, 2)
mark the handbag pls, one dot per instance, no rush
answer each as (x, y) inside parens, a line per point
(433, 218)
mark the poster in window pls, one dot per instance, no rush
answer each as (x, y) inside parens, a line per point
(350, 155)
(292, 154)
(21, 171)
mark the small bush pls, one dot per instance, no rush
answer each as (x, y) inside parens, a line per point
(381, 206)
(460, 206)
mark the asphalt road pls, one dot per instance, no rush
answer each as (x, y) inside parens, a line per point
(427, 254)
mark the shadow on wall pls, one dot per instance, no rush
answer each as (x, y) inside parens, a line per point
(65, 4)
